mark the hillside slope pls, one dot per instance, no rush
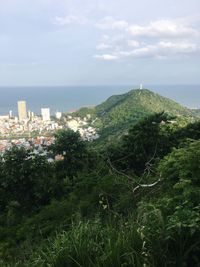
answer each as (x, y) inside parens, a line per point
(118, 112)
(137, 103)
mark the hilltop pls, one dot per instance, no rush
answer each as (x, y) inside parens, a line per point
(115, 115)
(135, 104)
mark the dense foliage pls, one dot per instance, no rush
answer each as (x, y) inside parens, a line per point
(134, 202)
(118, 112)
(114, 116)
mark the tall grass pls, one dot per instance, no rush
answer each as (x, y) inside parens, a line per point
(91, 244)
(142, 241)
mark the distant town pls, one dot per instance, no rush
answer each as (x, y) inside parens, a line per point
(31, 130)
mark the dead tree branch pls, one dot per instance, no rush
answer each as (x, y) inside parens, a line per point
(132, 180)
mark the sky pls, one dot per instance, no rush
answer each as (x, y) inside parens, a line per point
(99, 42)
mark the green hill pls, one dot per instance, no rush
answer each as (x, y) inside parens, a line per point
(136, 103)
(119, 111)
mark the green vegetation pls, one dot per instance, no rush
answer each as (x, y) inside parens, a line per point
(117, 113)
(83, 112)
(132, 202)
(135, 103)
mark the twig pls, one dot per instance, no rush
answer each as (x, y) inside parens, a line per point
(146, 185)
(133, 180)
(121, 173)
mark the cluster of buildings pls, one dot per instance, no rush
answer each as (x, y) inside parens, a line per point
(38, 144)
(27, 129)
(27, 123)
(86, 130)
(23, 115)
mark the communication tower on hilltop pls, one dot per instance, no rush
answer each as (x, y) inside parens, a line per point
(141, 86)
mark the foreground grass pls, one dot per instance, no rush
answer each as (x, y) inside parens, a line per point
(90, 244)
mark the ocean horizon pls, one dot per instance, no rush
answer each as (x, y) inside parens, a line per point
(69, 98)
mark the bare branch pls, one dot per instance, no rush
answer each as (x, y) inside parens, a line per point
(146, 185)
(148, 164)
(131, 179)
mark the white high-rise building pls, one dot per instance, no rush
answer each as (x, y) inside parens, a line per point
(58, 115)
(30, 115)
(10, 114)
(45, 112)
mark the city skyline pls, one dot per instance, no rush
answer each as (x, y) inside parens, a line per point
(23, 113)
(99, 42)
(68, 99)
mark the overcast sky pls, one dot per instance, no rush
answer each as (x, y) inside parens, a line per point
(95, 42)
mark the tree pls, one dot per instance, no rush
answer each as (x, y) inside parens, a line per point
(26, 178)
(190, 131)
(145, 142)
(69, 145)
(181, 168)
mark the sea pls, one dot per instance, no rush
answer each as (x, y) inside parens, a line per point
(70, 98)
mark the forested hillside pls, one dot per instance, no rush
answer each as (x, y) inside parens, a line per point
(117, 113)
(135, 103)
(132, 202)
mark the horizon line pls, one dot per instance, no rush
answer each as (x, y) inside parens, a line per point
(101, 85)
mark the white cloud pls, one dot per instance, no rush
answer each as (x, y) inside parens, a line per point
(103, 46)
(178, 47)
(163, 29)
(109, 23)
(107, 57)
(133, 43)
(67, 20)
(160, 39)
(165, 49)
(160, 50)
